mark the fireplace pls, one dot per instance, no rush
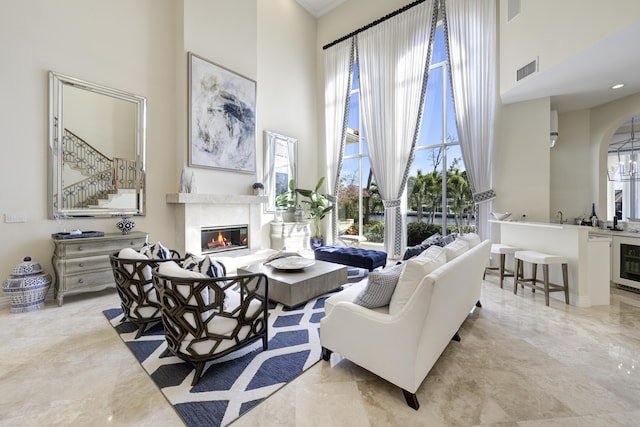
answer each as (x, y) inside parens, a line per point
(228, 238)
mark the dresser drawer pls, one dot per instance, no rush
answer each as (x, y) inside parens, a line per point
(88, 280)
(74, 265)
(87, 248)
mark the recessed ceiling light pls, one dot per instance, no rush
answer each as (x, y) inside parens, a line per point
(618, 86)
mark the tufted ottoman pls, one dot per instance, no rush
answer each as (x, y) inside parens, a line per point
(355, 257)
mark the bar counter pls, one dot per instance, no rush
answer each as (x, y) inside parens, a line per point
(589, 256)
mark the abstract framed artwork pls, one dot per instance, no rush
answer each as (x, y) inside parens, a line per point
(222, 117)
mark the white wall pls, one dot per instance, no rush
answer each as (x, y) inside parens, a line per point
(571, 166)
(521, 173)
(555, 30)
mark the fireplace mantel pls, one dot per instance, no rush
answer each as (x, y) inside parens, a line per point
(215, 199)
(194, 211)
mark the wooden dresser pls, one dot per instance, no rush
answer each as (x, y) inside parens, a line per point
(82, 265)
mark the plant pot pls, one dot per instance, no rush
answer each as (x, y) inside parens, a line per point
(289, 215)
(316, 242)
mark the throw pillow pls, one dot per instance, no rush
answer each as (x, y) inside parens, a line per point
(414, 271)
(380, 287)
(130, 253)
(456, 248)
(416, 250)
(472, 238)
(206, 266)
(172, 269)
(435, 252)
(155, 251)
(446, 240)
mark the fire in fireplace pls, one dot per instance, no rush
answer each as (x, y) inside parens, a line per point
(218, 239)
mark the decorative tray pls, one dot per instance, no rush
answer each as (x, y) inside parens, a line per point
(64, 236)
(292, 263)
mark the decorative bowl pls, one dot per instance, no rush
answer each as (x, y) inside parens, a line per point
(500, 216)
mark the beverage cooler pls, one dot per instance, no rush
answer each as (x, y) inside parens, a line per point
(626, 261)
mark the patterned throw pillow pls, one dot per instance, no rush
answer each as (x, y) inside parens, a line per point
(380, 287)
(207, 266)
(155, 251)
(416, 250)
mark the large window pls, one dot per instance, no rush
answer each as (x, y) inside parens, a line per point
(438, 192)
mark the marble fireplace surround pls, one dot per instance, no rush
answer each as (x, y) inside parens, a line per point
(194, 211)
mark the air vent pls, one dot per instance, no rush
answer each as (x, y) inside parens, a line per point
(528, 69)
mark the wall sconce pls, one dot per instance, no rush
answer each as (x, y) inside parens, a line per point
(553, 136)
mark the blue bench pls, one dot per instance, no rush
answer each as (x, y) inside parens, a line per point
(355, 257)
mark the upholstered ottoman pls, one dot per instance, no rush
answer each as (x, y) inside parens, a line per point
(355, 257)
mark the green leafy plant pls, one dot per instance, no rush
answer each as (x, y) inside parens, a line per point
(289, 198)
(318, 206)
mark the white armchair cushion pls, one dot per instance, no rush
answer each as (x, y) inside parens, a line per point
(172, 269)
(380, 287)
(414, 271)
(456, 248)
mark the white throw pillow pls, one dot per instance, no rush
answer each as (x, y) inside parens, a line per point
(130, 253)
(456, 248)
(414, 271)
(172, 269)
(380, 287)
(435, 252)
(472, 238)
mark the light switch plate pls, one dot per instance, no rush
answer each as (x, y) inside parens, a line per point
(15, 217)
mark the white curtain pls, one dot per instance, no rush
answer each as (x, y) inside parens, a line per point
(471, 29)
(338, 66)
(393, 63)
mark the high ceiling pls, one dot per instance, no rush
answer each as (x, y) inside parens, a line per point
(319, 7)
(583, 81)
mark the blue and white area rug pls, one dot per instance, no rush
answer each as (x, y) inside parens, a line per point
(237, 382)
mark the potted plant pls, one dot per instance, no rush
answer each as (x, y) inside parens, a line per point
(287, 202)
(319, 206)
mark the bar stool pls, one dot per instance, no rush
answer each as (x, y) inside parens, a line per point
(502, 251)
(535, 258)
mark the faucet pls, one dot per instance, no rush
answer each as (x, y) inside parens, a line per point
(559, 214)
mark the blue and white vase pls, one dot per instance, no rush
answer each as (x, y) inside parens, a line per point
(125, 225)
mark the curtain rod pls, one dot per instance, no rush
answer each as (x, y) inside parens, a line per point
(374, 23)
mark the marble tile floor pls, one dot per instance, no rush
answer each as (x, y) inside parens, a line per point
(519, 363)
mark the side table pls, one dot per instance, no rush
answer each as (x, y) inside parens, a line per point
(82, 265)
(292, 235)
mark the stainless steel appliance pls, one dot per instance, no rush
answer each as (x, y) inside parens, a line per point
(626, 261)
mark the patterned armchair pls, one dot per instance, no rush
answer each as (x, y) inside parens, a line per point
(207, 318)
(138, 297)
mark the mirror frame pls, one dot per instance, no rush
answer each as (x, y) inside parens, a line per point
(57, 83)
(271, 141)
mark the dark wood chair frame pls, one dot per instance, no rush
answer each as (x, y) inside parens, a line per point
(174, 305)
(130, 301)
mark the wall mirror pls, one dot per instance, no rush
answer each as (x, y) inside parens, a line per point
(96, 149)
(280, 159)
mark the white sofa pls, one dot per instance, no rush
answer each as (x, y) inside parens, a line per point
(403, 343)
